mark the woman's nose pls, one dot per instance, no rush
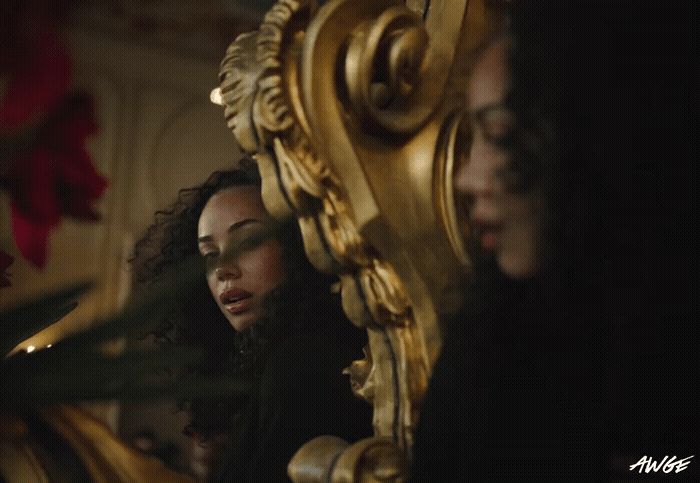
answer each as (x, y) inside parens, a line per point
(473, 182)
(227, 271)
(475, 177)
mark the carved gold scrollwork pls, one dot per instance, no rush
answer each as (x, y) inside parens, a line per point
(384, 294)
(384, 65)
(361, 377)
(315, 461)
(371, 460)
(341, 231)
(280, 32)
(451, 153)
(298, 181)
(274, 193)
(260, 112)
(316, 244)
(238, 80)
(326, 459)
(253, 75)
(344, 108)
(354, 303)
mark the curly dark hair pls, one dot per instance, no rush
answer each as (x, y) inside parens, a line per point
(555, 150)
(300, 304)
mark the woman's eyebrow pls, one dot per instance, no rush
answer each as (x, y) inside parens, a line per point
(242, 223)
(478, 115)
(235, 226)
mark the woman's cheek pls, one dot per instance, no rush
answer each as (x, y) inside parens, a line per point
(265, 263)
(211, 282)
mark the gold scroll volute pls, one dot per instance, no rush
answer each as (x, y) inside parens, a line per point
(451, 153)
(385, 62)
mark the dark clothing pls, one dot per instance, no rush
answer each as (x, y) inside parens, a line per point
(302, 394)
(514, 381)
(532, 385)
(510, 396)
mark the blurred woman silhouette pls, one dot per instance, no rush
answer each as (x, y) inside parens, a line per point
(554, 365)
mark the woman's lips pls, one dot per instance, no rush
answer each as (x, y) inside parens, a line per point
(487, 233)
(236, 300)
(489, 240)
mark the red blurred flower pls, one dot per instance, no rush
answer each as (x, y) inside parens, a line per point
(43, 161)
(5, 262)
(54, 177)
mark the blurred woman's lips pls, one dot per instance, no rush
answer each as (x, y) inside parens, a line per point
(487, 233)
(489, 240)
(236, 300)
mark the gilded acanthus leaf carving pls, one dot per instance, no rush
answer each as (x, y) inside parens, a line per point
(340, 228)
(275, 37)
(361, 377)
(238, 78)
(384, 293)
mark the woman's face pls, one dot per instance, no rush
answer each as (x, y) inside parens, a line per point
(240, 285)
(507, 223)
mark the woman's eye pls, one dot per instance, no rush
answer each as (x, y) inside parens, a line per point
(505, 141)
(498, 127)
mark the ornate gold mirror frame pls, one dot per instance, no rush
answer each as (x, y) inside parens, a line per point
(353, 112)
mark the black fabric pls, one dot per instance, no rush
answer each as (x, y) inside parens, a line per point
(302, 394)
(511, 393)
